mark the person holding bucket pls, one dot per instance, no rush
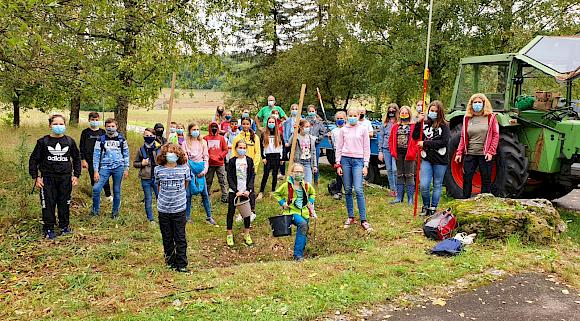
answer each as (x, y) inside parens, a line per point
(296, 198)
(241, 176)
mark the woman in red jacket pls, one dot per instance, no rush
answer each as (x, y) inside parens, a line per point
(478, 143)
(404, 149)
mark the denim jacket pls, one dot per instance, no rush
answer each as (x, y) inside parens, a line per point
(384, 135)
(112, 156)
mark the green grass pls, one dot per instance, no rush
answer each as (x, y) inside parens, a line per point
(114, 269)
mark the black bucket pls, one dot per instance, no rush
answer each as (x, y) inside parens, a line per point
(281, 225)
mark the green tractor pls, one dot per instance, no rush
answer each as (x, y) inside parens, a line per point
(533, 93)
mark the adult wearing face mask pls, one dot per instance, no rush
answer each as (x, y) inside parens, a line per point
(87, 144)
(318, 130)
(264, 113)
(159, 129)
(110, 158)
(384, 151)
(365, 122)
(434, 156)
(419, 111)
(478, 143)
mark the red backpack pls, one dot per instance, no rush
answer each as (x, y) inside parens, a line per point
(439, 226)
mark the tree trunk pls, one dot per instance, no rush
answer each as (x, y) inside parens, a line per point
(347, 99)
(75, 109)
(126, 76)
(276, 38)
(16, 110)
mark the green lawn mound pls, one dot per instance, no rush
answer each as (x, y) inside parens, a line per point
(534, 220)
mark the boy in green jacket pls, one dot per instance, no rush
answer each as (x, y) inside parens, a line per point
(297, 199)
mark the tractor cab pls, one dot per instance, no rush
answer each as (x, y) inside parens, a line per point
(537, 101)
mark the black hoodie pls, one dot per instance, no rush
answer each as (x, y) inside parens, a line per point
(55, 156)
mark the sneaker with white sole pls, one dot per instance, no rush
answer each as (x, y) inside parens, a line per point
(211, 221)
(252, 217)
(109, 198)
(349, 221)
(65, 231)
(248, 239)
(239, 218)
(280, 177)
(49, 234)
(366, 226)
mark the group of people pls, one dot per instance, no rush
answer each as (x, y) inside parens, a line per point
(184, 165)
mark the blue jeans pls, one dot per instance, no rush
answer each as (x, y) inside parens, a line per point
(301, 232)
(391, 166)
(148, 185)
(204, 200)
(352, 175)
(307, 171)
(317, 159)
(431, 173)
(104, 174)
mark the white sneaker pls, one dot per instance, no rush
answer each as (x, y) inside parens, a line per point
(239, 218)
(109, 198)
(252, 217)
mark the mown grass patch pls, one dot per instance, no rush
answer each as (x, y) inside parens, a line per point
(114, 269)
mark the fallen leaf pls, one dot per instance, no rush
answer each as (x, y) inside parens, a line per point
(565, 291)
(439, 302)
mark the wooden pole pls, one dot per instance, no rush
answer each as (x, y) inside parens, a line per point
(296, 124)
(170, 108)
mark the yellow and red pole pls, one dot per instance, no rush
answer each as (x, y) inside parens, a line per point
(425, 83)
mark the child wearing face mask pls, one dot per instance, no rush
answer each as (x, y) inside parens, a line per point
(317, 130)
(159, 130)
(224, 126)
(305, 153)
(145, 162)
(173, 133)
(384, 152)
(57, 158)
(253, 151)
(241, 175)
(246, 114)
(271, 147)
(404, 149)
(217, 150)
(195, 148)
(296, 197)
(110, 158)
(172, 177)
(89, 137)
(180, 131)
(287, 131)
(230, 135)
(340, 119)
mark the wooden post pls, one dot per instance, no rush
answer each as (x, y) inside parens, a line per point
(296, 124)
(170, 108)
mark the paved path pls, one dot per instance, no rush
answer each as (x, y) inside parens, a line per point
(523, 297)
(570, 201)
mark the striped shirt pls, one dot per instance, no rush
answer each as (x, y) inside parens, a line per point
(172, 194)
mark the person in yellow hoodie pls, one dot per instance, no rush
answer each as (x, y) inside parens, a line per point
(296, 198)
(252, 151)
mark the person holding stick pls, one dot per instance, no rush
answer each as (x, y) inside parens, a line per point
(317, 130)
(353, 152)
(305, 150)
(296, 197)
(287, 131)
(434, 155)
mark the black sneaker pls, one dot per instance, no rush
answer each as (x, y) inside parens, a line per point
(115, 216)
(182, 270)
(424, 211)
(65, 231)
(298, 258)
(49, 234)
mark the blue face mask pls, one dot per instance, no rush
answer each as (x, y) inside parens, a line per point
(340, 122)
(228, 117)
(311, 114)
(294, 112)
(58, 129)
(353, 120)
(241, 152)
(477, 107)
(432, 115)
(271, 125)
(172, 130)
(245, 115)
(180, 131)
(194, 133)
(94, 123)
(171, 157)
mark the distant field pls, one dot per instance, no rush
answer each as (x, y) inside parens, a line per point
(189, 105)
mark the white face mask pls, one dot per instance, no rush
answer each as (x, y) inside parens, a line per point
(271, 103)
